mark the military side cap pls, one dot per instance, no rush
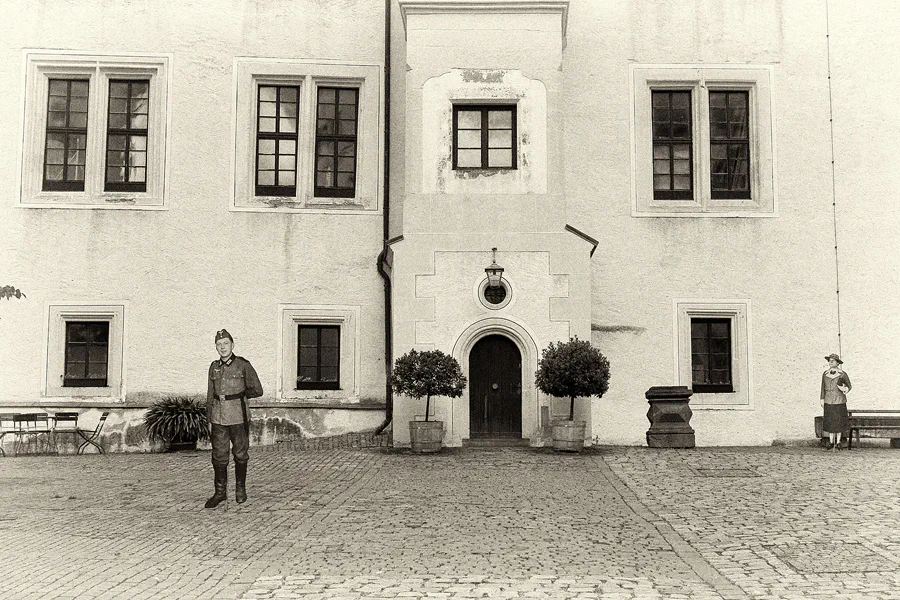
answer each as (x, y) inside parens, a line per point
(223, 333)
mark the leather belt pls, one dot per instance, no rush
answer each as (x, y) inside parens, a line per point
(234, 396)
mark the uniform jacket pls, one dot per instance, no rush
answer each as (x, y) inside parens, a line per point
(236, 379)
(830, 392)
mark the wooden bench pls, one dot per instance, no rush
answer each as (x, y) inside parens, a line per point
(875, 424)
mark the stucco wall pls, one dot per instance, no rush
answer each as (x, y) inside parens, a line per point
(196, 266)
(779, 263)
(782, 264)
(864, 54)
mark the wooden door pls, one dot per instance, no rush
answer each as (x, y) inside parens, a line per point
(495, 389)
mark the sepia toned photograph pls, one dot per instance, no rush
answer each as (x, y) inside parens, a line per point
(449, 299)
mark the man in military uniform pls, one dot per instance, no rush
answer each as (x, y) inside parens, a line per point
(232, 380)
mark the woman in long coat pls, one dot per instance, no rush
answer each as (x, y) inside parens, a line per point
(835, 385)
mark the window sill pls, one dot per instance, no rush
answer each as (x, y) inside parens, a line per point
(276, 204)
(110, 201)
(663, 212)
(319, 403)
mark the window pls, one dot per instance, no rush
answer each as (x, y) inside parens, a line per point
(484, 137)
(64, 151)
(319, 354)
(94, 131)
(318, 357)
(729, 144)
(126, 136)
(672, 145)
(336, 111)
(87, 353)
(713, 351)
(461, 107)
(307, 136)
(703, 141)
(84, 351)
(711, 355)
(276, 140)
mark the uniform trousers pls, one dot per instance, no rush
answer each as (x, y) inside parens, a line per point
(234, 435)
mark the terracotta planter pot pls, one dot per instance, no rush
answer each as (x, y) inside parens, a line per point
(426, 436)
(568, 436)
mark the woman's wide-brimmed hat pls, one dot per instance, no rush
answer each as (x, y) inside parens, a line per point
(835, 357)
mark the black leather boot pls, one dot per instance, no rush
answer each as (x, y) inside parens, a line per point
(240, 482)
(221, 484)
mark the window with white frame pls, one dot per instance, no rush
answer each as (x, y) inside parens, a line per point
(84, 351)
(307, 136)
(703, 141)
(94, 130)
(319, 352)
(713, 351)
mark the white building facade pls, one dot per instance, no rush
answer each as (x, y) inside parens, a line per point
(702, 191)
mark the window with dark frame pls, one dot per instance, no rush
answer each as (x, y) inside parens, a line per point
(484, 137)
(336, 138)
(711, 355)
(729, 144)
(66, 141)
(276, 140)
(673, 176)
(87, 354)
(318, 357)
(126, 136)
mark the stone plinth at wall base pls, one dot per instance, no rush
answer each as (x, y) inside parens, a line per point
(568, 436)
(670, 417)
(425, 436)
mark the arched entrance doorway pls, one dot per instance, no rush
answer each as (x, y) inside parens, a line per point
(495, 388)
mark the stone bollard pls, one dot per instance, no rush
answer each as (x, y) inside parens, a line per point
(670, 417)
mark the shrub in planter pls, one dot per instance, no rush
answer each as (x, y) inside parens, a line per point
(429, 373)
(178, 422)
(567, 370)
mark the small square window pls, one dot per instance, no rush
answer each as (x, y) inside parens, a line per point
(84, 352)
(711, 355)
(713, 352)
(318, 357)
(87, 354)
(484, 137)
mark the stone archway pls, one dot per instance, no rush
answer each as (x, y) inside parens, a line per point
(524, 342)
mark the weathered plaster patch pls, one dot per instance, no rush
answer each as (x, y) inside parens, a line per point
(617, 328)
(483, 76)
(476, 173)
(280, 202)
(135, 435)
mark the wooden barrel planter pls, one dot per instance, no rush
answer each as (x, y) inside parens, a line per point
(426, 436)
(568, 436)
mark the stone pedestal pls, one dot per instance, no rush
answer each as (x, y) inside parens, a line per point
(670, 417)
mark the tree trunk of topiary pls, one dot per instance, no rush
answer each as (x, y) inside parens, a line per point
(427, 406)
(572, 408)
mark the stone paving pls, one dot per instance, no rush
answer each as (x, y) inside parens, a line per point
(618, 523)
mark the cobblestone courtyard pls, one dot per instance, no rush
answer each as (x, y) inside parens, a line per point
(616, 523)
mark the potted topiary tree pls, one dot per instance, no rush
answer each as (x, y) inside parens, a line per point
(428, 373)
(566, 370)
(178, 422)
